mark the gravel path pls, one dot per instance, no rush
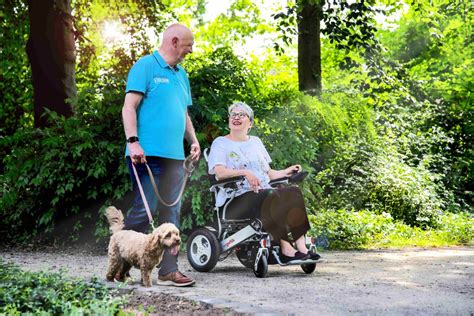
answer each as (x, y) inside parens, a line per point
(408, 282)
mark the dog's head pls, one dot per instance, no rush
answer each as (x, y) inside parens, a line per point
(167, 236)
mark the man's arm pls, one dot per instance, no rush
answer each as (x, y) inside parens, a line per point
(190, 136)
(129, 116)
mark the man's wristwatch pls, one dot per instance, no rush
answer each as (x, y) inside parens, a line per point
(132, 139)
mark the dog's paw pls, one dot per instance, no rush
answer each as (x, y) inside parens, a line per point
(127, 279)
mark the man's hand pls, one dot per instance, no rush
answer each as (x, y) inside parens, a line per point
(195, 151)
(136, 153)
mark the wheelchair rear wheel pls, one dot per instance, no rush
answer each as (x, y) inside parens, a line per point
(246, 256)
(308, 268)
(203, 250)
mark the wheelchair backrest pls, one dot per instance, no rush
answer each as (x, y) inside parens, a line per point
(206, 154)
(212, 177)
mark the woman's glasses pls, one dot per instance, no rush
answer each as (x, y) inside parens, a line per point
(240, 115)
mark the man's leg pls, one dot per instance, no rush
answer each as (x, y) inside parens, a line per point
(170, 188)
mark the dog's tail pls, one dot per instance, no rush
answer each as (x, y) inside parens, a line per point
(115, 219)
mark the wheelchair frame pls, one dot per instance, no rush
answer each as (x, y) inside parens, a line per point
(208, 245)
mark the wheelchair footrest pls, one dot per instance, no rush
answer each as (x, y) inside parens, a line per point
(277, 260)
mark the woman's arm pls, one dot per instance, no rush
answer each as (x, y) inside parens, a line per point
(224, 173)
(276, 174)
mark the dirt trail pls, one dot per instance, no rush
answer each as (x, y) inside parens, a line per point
(410, 281)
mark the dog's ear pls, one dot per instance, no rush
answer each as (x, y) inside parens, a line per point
(157, 238)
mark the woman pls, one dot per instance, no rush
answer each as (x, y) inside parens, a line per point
(281, 210)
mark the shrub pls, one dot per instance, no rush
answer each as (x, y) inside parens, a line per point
(341, 229)
(457, 228)
(380, 179)
(23, 292)
(407, 193)
(53, 172)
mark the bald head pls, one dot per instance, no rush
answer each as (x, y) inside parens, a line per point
(175, 30)
(177, 42)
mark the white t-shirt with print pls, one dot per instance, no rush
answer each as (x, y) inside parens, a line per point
(250, 154)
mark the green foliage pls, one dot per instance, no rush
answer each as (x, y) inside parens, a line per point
(15, 83)
(348, 24)
(241, 20)
(457, 228)
(433, 46)
(290, 133)
(392, 132)
(381, 180)
(217, 79)
(407, 193)
(53, 172)
(24, 292)
(341, 229)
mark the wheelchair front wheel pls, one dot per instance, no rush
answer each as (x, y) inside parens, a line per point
(262, 267)
(308, 268)
(203, 250)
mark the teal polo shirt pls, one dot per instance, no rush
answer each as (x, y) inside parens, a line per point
(161, 115)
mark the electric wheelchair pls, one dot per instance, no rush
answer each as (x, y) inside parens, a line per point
(252, 245)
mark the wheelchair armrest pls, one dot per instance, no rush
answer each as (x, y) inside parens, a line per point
(298, 177)
(226, 182)
(279, 180)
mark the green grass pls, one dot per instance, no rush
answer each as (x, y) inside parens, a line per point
(43, 293)
(416, 237)
(342, 229)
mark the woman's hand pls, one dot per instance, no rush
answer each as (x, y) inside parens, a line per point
(222, 172)
(292, 170)
(253, 181)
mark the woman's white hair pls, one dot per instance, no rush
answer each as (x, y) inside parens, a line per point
(243, 106)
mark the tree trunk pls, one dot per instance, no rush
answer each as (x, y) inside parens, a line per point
(309, 49)
(51, 51)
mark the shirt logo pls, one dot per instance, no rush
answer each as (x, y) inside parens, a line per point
(159, 80)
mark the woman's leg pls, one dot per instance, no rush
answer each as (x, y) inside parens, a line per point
(289, 212)
(258, 205)
(300, 244)
(248, 205)
(286, 248)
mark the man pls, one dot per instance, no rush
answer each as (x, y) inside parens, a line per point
(156, 120)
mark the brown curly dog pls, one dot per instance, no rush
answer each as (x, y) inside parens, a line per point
(128, 248)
